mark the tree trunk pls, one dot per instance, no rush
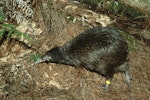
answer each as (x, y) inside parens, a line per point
(53, 19)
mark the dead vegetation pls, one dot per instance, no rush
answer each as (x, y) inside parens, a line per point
(21, 81)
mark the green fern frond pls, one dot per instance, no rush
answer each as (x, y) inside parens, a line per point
(11, 29)
(2, 32)
(20, 34)
(1, 19)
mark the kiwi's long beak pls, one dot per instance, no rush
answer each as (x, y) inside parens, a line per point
(43, 59)
(39, 61)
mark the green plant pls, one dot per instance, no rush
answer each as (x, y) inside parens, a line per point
(11, 31)
(131, 41)
(118, 7)
(1, 19)
(35, 57)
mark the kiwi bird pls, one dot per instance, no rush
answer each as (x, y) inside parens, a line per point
(100, 50)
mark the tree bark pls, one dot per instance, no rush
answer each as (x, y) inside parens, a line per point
(53, 19)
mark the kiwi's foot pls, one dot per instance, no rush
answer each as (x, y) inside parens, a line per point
(128, 79)
(106, 85)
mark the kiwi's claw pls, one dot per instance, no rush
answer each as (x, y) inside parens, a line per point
(128, 78)
(106, 85)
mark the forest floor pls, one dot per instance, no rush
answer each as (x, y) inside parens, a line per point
(48, 81)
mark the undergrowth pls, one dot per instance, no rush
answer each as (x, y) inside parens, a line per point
(117, 7)
(131, 41)
(10, 31)
(35, 57)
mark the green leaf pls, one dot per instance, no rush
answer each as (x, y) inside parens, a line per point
(1, 19)
(26, 36)
(20, 34)
(10, 33)
(2, 32)
(10, 28)
(35, 57)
